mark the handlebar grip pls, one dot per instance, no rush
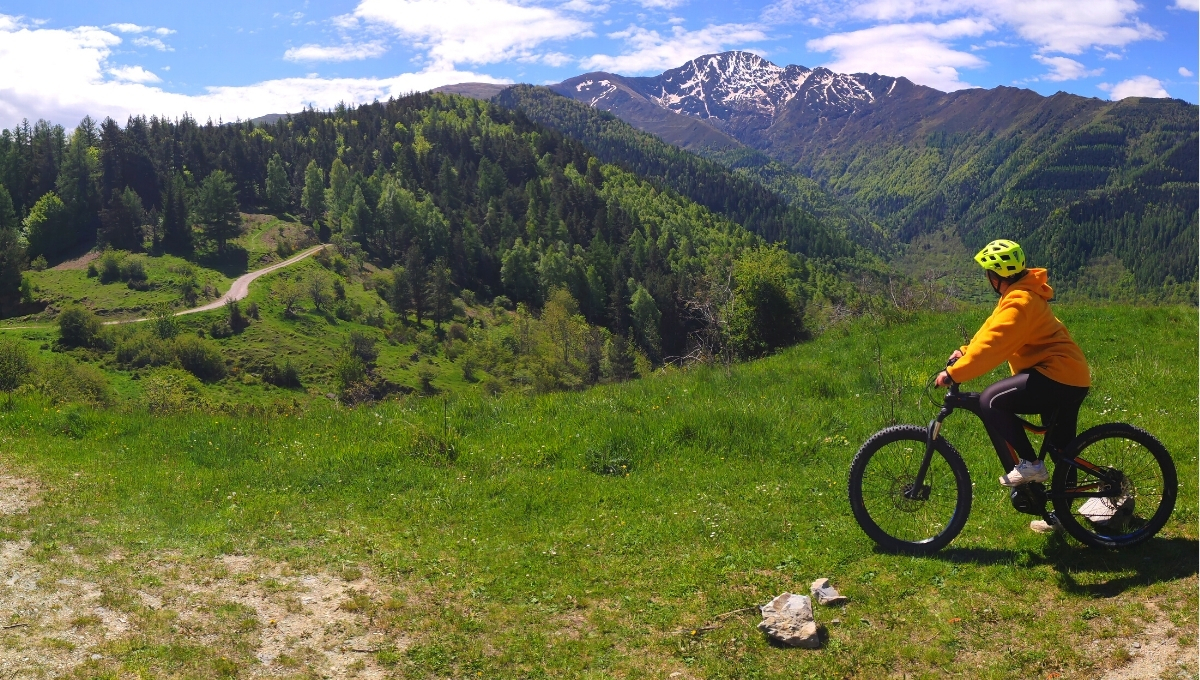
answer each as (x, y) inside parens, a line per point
(951, 362)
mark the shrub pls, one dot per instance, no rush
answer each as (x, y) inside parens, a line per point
(339, 289)
(502, 302)
(220, 328)
(171, 391)
(426, 374)
(282, 375)
(78, 327)
(236, 321)
(133, 270)
(26, 289)
(199, 358)
(457, 331)
(318, 291)
(39, 263)
(349, 372)
(362, 346)
(63, 380)
(110, 267)
(164, 323)
(92, 272)
(427, 343)
(142, 349)
(252, 310)
(284, 248)
(16, 365)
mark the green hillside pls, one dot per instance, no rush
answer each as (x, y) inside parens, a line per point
(620, 531)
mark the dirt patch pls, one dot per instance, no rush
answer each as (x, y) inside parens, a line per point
(80, 262)
(1155, 653)
(286, 623)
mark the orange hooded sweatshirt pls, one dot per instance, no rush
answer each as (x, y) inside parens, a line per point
(1024, 331)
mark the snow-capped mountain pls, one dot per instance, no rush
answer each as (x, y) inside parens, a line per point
(736, 89)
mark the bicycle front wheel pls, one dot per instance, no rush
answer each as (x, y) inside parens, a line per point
(896, 515)
(1128, 515)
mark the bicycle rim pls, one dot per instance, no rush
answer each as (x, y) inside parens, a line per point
(882, 477)
(1147, 494)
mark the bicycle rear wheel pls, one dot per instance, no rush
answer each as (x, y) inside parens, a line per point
(1138, 509)
(885, 468)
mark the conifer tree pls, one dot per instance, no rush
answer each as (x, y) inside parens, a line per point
(217, 209)
(278, 191)
(312, 200)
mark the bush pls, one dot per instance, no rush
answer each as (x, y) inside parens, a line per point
(78, 327)
(361, 345)
(349, 372)
(110, 267)
(171, 391)
(39, 263)
(220, 328)
(237, 322)
(144, 349)
(502, 302)
(199, 358)
(457, 331)
(63, 380)
(133, 270)
(252, 310)
(92, 272)
(282, 375)
(16, 364)
(164, 323)
(426, 374)
(284, 249)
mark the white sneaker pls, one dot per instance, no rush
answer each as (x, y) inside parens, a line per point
(1026, 471)
(1041, 526)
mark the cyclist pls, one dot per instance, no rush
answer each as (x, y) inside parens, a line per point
(1050, 375)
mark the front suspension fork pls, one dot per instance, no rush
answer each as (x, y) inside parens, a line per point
(918, 490)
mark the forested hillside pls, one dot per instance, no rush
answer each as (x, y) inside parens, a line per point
(445, 194)
(1079, 181)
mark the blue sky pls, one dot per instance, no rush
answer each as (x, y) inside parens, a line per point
(61, 59)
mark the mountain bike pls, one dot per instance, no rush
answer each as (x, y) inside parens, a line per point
(1113, 487)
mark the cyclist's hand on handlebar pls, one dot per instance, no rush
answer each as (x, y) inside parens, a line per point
(944, 380)
(954, 357)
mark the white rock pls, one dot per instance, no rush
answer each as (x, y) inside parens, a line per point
(826, 594)
(788, 620)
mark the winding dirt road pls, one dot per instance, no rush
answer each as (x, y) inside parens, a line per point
(238, 290)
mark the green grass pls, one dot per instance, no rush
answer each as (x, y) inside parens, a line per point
(512, 557)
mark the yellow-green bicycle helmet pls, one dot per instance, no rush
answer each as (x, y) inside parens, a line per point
(1003, 257)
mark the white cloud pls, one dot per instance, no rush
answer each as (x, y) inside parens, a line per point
(345, 52)
(1184, 72)
(1193, 5)
(133, 74)
(918, 51)
(1063, 68)
(470, 31)
(651, 51)
(64, 74)
(1066, 26)
(134, 28)
(1138, 86)
(155, 43)
(585, 7)
(661, 4)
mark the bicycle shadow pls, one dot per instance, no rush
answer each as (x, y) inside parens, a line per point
(1155, 561)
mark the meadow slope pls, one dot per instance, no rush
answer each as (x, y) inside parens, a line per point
(600, 533)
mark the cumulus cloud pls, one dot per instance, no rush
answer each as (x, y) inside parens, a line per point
(661, 4)
(1138, 86)
(133, 74)
(1064, 68)
(1184, 72)
(154, 43)
(1193, 5)
(134, 28)
(918, 51)
(344, 52)
(64, 74)
(470, 31)
(651, 51)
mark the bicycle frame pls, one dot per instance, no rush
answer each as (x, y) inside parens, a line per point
(1108, 485)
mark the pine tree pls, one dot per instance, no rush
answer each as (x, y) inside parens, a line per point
(217, 209)
(176, 227)
(439, 291)
(278, 192)
(312, 200)
(121, 222)
(414, 266)
(78, 182)
(340, 193)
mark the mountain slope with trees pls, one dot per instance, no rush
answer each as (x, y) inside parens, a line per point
(1076, 179)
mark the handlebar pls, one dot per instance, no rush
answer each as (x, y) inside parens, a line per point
(953, 385)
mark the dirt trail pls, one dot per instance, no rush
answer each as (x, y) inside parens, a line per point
(238, 290)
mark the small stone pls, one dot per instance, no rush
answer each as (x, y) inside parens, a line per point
(788, 620)
(96, 657)
(1137, 645)
(826, 594)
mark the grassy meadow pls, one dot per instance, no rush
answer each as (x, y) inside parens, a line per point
(610, 532)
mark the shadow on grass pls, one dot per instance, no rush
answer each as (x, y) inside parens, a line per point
(1156, 561)
(232, 263)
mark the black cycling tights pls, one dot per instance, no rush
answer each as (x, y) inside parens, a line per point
(1029, 392)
